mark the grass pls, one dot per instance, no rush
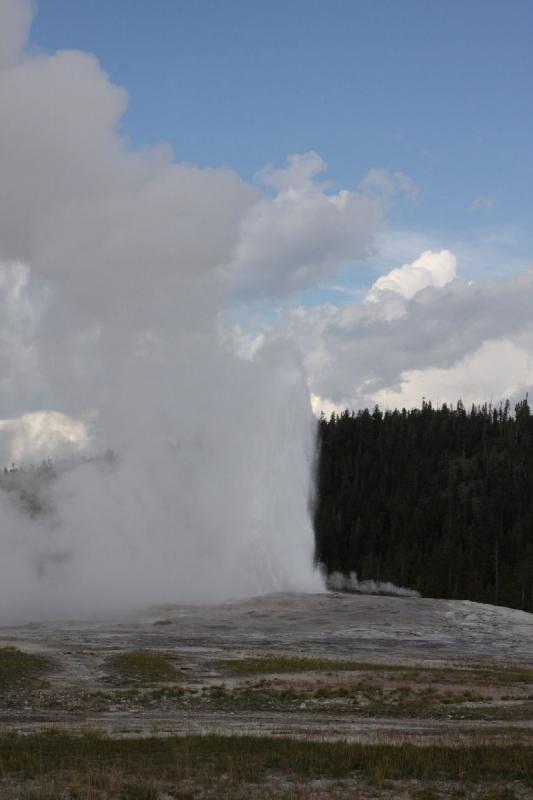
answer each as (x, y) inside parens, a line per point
(20, 670)
(226, 790)
(250, 758)
(500, 676)
(366, 694)
(143, 666)
(148, 677)
(360, 698)
(262, 665)
(378, 689)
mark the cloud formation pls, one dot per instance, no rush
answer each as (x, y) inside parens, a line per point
(441, 342)
(382, 183)
(429, 269)
(303, 233)
(15, 19)
(497, 370)
(32, 438)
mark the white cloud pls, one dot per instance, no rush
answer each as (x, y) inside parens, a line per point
(497, 370)
(387, 184)
(326, 407)
(15, 20)
(481, 253)
(302, 234)
(429, 269)
(40, 435)
(470, 340)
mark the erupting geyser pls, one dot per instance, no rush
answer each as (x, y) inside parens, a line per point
(116, 274)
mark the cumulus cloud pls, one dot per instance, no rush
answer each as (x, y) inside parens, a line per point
(497, 370)
(303, 233)
(429, 269)
(82, 209)
(469, 340)
(483, 253)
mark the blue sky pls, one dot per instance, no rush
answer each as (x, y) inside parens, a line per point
(440, 91)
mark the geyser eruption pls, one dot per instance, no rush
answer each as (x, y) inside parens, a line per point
(115, 278)
(216, 511)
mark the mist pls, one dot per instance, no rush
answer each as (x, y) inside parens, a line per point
(338, 582)
(117, 277)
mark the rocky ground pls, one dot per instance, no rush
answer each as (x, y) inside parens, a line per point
(327, 667)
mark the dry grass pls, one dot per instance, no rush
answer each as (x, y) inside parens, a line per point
(251, 759)
(226, 789)
(272, 664)
(20, 670)
(143, 666)
(91, 767)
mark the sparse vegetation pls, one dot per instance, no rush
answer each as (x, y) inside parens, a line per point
(282, 663)
(252, 759)
(140, 679)
(227, 788)
(273, 663)
(360, 698)
(143, 666)
(20, 670)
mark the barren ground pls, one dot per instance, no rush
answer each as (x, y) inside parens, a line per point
(361, 669)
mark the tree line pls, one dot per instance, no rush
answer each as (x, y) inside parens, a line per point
(439, 500)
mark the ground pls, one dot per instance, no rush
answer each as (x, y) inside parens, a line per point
(333, 695)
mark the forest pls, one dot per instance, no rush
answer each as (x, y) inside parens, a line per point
(439, 500)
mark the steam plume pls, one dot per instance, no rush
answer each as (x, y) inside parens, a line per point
(115, 274)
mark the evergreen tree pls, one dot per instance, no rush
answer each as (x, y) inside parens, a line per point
(435, 499)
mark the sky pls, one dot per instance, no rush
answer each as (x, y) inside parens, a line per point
(379, 136)
(439, 91)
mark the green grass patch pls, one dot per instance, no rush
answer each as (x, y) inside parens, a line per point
(277, 664)
(20, 670)
(499, 676)
(251, 759)
(143, 666)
